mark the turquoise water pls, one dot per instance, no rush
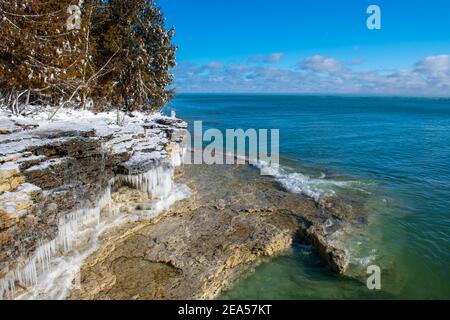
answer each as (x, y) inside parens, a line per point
(391, 153)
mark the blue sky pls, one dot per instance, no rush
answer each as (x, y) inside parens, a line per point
(320, 46)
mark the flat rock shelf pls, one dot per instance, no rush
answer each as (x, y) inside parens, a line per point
(202, 245)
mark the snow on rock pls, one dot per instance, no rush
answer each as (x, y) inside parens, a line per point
(8, 126)
(8, 169)
(48, 164)
(28, 188)
(51, 176)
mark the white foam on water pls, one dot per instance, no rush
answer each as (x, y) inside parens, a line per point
(296, 182)
(50, 272)
(364, 261)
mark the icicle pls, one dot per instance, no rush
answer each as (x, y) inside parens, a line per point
(7, 288)
(178, 157)
(157, 183)
(69, 226)
(103, 154)
(44, 253)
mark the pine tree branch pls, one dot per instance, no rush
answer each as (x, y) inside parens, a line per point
(83, 85)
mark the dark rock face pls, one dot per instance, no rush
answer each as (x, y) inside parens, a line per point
(48, 170)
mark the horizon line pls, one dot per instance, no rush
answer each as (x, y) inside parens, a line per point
(355, 95)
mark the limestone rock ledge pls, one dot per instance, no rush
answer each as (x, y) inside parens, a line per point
(234, 220)
(56, 176)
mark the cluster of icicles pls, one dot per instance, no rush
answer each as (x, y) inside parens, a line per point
(49, 273)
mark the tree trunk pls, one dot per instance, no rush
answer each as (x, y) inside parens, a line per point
(27, 102)
(16, 104)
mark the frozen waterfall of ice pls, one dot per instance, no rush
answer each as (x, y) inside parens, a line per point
(50, 272)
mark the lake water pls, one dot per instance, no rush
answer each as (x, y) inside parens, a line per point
(393, 151)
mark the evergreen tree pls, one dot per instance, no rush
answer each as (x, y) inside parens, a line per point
(36, 51)
(119, 54)
(136, 33)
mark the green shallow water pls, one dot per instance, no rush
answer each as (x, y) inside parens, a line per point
(298, 274)
(390, 156)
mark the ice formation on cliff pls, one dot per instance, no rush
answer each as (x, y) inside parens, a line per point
(157, 182)
(50, 272)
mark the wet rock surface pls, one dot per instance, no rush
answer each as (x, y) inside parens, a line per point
(234, 219)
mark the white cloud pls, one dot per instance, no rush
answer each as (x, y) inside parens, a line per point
(321, 64)
(435, 66)
(436, 71)
(317, 74)
(214, 65)
(271, 58)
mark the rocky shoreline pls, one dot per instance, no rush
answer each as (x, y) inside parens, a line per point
(205, 243)
(140, 239)
(56, 182)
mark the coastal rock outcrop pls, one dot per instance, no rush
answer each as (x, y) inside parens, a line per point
(91, 208)
(56, 177)
(234, 220)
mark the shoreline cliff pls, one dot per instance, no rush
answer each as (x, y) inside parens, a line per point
(95, 209)
(56, 182)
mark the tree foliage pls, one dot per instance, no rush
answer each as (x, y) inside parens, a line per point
(120, 54)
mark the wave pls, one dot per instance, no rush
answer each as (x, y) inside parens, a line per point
(296, 182)
(293, 181)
